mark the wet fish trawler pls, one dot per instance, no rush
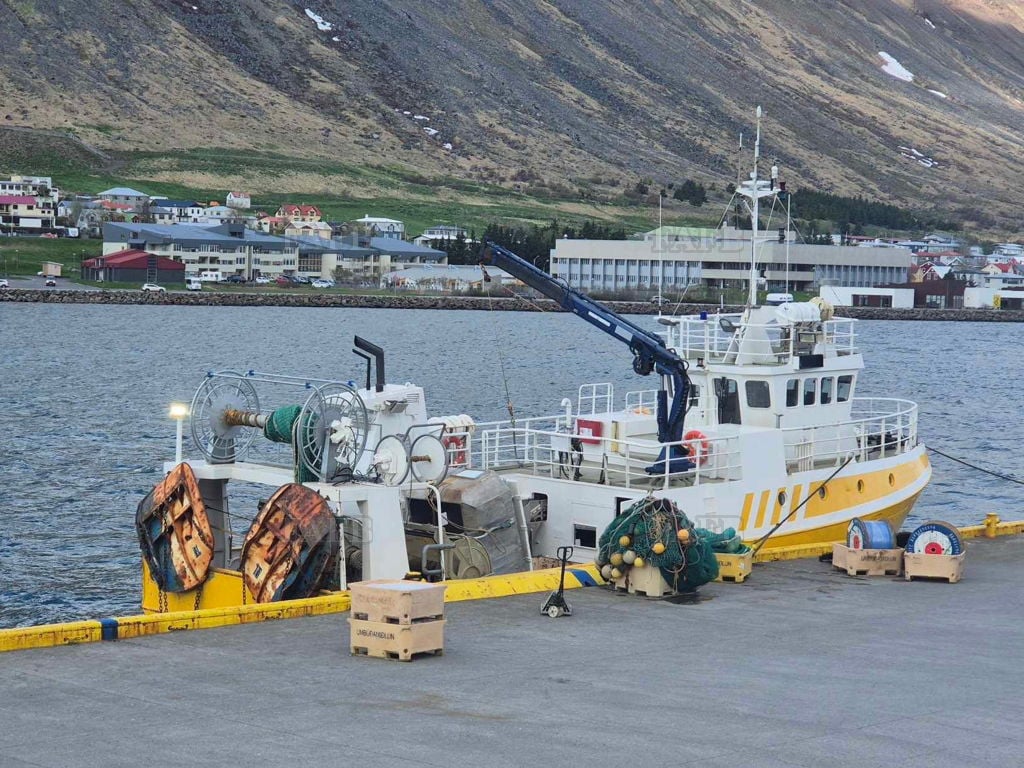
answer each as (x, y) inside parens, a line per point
(755, 426)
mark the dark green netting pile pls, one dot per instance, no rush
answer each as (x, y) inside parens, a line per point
(280, 428)
(687, 560)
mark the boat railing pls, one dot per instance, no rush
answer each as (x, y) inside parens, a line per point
(547, 447)
(718, 338)
(878, 428)
(642, 400)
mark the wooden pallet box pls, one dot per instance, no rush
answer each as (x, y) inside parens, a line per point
(401, 642)
(945, 567)
(867, 562)
(646, 581)
(393, 601)
(734, 567)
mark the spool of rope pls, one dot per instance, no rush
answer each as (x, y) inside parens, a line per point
(869, 534)
(935, 538)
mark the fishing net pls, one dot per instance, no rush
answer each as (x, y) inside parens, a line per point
(652, 530)
(279, 429)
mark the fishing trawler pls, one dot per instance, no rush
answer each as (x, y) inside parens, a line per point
(755, 426)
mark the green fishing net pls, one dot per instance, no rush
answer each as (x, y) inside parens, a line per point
(686, 560)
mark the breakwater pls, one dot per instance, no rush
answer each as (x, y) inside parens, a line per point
(406, 301)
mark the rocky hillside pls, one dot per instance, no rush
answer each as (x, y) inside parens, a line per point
(914, 101)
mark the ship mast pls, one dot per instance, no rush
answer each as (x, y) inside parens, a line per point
(754, 190)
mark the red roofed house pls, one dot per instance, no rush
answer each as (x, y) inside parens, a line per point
(238, 200)
(296, 213)
(23, 212)
(134, 266)
(272, 224)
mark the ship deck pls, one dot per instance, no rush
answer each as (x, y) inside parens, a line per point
(799, 666)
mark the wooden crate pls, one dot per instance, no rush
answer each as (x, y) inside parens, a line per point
(393, 601)
(646, 581)
(734, 567)
(867, 562)
(945, 567)
(401, 642)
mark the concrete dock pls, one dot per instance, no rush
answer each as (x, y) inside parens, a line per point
(801, 665)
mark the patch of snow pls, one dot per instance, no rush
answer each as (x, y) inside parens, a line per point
(195, 7)
(406, 112)
(431, 131)
(336, 39)
(894, 68)
(447, 145)
(323, 26)
(919, 157)
(420, 117)
(940, 94)
(929, 22)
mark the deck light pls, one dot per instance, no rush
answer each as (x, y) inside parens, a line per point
(178, 412)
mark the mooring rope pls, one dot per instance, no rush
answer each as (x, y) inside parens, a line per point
(1008, 478)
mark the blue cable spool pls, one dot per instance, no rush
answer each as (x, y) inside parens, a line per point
(935, 538)
(869, 534)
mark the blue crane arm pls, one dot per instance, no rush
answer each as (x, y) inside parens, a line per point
(649, 350)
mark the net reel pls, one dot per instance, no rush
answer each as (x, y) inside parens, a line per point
(328, 432)
(331, 431)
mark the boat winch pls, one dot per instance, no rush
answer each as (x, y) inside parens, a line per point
(327, 432)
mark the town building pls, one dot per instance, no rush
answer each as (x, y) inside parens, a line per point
(24, 213)
(229, 248)
(238, 200)
(376, 226)
(844, 296)
(134, 265)
(447, 278)
(125, 195)
(294, 213)
(720, 258)
(39, 187)
(441, 233)
(232, 249)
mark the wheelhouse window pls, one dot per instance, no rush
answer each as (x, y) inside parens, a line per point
(826, 390)
(810, 389)
(758, 395)
(792, 393)
(843, 391)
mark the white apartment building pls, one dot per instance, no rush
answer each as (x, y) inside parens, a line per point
(720, 259)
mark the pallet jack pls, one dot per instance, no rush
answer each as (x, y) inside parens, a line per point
(556, 605)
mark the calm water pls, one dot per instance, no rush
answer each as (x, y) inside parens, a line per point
(84, 392)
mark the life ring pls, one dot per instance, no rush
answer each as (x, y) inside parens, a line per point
(455, 446)
(698, 455)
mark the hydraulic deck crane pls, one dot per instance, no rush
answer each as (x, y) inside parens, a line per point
(649, 351)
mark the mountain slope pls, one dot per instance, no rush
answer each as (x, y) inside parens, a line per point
(580, 91)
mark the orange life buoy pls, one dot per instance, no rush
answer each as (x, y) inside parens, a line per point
(698, 452)
(455, 445)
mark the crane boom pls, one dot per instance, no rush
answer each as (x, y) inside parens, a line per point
(650, 353)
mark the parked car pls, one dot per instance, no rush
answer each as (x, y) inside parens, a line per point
(149, 288)
(322, 283)
(51, 283)
(283, 280)
(302, 279)
(4, 284)
(235, 279)
(659, 300)
(261, 280)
